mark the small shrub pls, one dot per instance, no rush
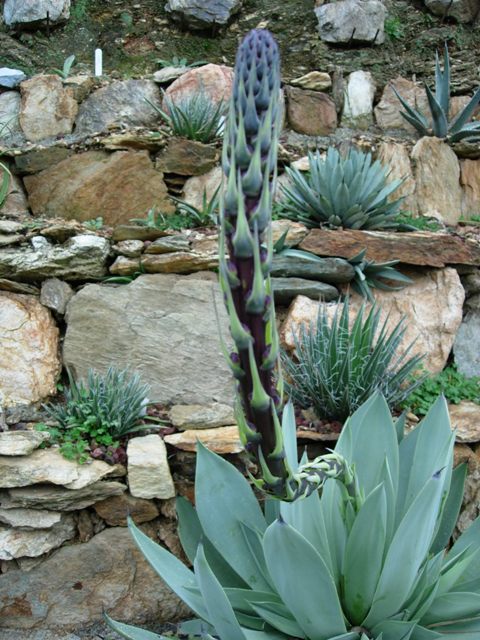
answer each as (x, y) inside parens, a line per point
(195, 117)
(408, 222)
(336, 368)
(98, 413)
(350, 192)
(205, 216)
(394, 28)
(453, 384)
(64, 72)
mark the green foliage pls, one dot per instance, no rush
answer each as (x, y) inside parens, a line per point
(331, 566)
(181, 63)
(79, 10)
(371, 275)
(350, 192)
(408, 222)
(95, 224)
(5, 177)
(207, 215)
(454, 385)
(337, 368)
(104, 409)
(439, 103)
(67, 67)
(394, 28)
(194, 117)
(125, 279)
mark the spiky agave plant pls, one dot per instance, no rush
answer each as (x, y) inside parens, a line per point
(359, 558)
(439, 103)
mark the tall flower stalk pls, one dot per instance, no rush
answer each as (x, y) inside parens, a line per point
(250, 165)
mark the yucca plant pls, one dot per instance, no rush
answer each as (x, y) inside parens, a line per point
(350, 192)
(371, 275)
(194, 117)
(207, 214)
(349, 546)
(339, 363)
(439, 103)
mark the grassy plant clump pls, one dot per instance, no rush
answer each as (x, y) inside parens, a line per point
(407, 222)
(350, 192)
(204, 216)
(337, 367)
(98, 413)
(451, 383)
(195, 117)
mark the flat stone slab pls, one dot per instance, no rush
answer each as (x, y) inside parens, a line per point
(221, 440)
(21, 443)
(17, 543)
(331, 270)
(200, 416)
(30, 518)
(420, 248)
(286, 289)
(465, 418)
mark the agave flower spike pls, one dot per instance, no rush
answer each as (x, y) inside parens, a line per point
(250, 163)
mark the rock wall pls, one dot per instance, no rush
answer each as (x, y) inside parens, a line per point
(97, 151)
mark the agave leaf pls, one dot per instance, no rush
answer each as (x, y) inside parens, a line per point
(332, 503)
(453, 606)
(440, 124)
(289, 431)
(284, 624)
(364, 556)
(195, 627)
(254, 543)
(420, 633)
(221, 511)
(457, 629)
(395, 629)
(242, 599)
(220, 611)
(449, 577)
(298, 571)
(451, 509)
(403, 559)
(465, 114)
(422, 129)
(133, 633)
(253, 634)
(416, 118)
(442, 82)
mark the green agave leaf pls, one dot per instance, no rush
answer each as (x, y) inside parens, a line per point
(242, 599)
(420, 633)
(285, 624)
(364, 556)
(254, 544)
(451, 509)
(289, 431)
(195, 627)
(271, 634)
(403, 559)
(219, 609)
(461, 119)
(170, 569)
(395, 629)
(303, 581)
(453, 606)
(470, 539)
(440, 124)
(221, 511)
(457, 628)
(133, 633)
(331, 505)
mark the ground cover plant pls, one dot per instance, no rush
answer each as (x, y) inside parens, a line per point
(349, 546)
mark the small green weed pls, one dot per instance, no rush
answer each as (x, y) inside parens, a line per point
(394, 28)
(453, 384)
(67, 68)
(204, 216)
(79, 10)
(95, 224)
(186, 217)
(407, 222)
(177, 62)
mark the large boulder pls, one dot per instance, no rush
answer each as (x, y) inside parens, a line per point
(73, 588)
(432, 307)
(311, 112)
(214, 80)
(358, 100)
(467, 345)
(10, 102)
(24, 12)
(437, 177)
(387, 111)
(352, 21)
(396, 158)
(117, 186)
(10, 78)
(29, 363)
(460, 10)
(470, 183)
(121, 103)
(47, 109)
(162, 326)
(198, 14)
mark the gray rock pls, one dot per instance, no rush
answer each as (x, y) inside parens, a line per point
(200, 416)
(148, 471)
(466, 348)
(26, 11)
(80, 258)
(162, 326)
(351, 21)
(201, 13)
(73, 587)
(169, 244)
(20, 443)
(18, 287)
(56, 294)
(10, 102)
(10, 226)
(331, 270)
(122, 103)
(286, 289)
(26, 519)
(10, 78)
(129, 248)
(167, 74)
(18, 543)
(59, 498)
(460, 10)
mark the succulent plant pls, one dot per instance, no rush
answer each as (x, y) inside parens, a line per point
(439, 103)
(371, 275)
(350, 192)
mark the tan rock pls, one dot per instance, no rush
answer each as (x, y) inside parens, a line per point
(310, 112)
(40, 158)
(187, 157)
(470, 182)
(30, 518)
(465, 418)
(296, 232)
(214, 80)
(395, 156)
(197, 186)
(80, 86)
(198, 416)
(221, 440)
(437, 176)
(29, 363)
(178, 262)
(148, 471)
(129, 248)
(21, 443)
(59, 498)
(10, 103)
(314, 80)
(432, 307)
(415, 248)
(48, 109)
(18, 543)
(471, 496)
(117, 186)
(169, 244)
(48, 465)
(387, 112)
(115, 510)
(15, 205)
